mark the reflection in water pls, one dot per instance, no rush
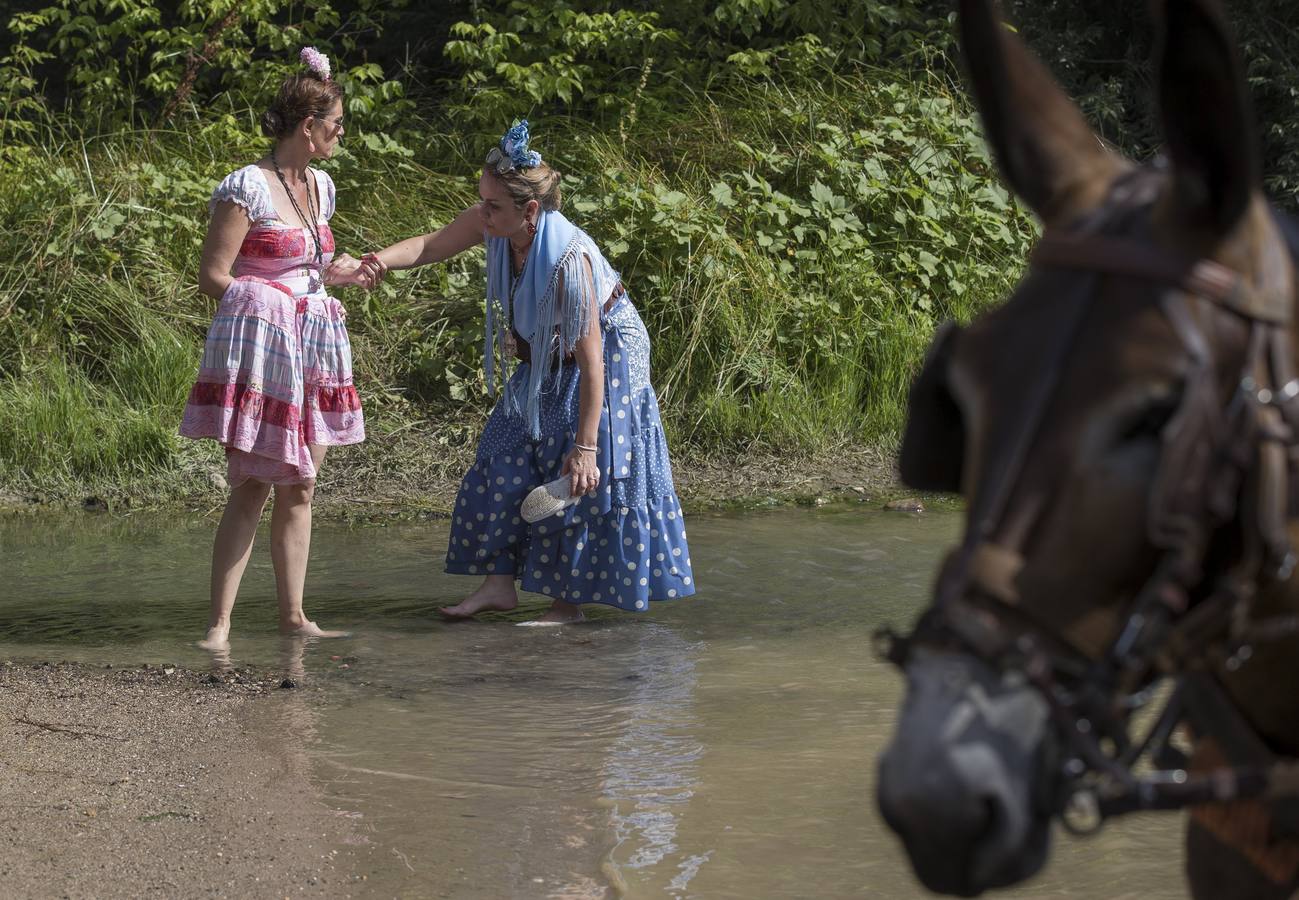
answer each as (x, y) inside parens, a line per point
(291, 660)
(719, 747)
(651, 773)
(222, 661)
(293, 652)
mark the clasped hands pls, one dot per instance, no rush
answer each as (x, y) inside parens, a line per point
(365, 272)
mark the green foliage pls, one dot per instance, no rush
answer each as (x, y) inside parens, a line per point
(795, 273)
(552, 54)
(58, 424)
(791, 217)
(1100, 51)
(581, 57)
(134, 62)
(792, 190)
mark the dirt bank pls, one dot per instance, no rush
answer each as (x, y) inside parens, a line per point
(159, 782)
(418, 475)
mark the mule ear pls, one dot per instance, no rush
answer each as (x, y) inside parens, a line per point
(1205, 113)
(933, 444)
(1042, 143)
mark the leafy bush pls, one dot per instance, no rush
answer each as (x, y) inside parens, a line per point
(1100, 51)
(115, 63)
(790, 217)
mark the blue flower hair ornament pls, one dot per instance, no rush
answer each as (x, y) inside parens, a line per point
(513, 152)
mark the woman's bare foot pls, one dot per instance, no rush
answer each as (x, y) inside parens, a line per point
(561, 613)
(307, 628)
(495, 593)
(218, 638)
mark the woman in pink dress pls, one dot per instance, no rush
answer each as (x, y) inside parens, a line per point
(275, 383)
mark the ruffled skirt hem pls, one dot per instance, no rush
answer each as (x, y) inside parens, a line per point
(625, 558)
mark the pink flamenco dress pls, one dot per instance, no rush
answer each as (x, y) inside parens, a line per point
(276, 373)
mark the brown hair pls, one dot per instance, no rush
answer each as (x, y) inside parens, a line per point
(540, 183)
(300, 96)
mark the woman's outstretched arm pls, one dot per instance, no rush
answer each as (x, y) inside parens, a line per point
(461, 233)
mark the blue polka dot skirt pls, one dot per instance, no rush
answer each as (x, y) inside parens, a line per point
(624, 545)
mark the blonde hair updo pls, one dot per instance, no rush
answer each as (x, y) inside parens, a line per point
(539, 182)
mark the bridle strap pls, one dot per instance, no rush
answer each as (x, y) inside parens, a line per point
(988, 515)
(1204, 277)
(993, 568)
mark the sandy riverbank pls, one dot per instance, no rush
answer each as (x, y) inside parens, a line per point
(159, 782)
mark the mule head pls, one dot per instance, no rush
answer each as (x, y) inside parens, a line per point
(1056, 415)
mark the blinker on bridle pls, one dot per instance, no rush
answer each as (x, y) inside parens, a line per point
(1207, 454)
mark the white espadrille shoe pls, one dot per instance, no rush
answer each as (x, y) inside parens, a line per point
(548, 500)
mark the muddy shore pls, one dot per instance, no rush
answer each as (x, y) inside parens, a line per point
(159, 782)
(406, 478)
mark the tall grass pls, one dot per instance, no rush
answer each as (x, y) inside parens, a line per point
(790, 247)
(61, 425)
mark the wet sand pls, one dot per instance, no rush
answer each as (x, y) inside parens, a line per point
(160, 782)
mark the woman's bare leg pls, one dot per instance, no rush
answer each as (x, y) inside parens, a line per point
(290, 548)
(496, 592)
(230, 552)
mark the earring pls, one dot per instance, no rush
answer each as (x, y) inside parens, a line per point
(532, 229)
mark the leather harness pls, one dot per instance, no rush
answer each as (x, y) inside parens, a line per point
(1218, 466)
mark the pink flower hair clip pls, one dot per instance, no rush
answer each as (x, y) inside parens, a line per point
(316, 62)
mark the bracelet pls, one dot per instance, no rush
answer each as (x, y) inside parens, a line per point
(584, 447)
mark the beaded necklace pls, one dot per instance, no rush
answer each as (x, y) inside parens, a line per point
(312, 225)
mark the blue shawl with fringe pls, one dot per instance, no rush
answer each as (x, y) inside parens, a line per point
(549, 307)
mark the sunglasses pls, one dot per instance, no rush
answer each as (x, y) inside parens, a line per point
(497, 159)
(337, 123)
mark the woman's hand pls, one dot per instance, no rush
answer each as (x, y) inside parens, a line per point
(344, 269)
(373, 269)
(584, 474)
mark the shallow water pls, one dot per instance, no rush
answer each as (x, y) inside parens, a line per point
(718, 747)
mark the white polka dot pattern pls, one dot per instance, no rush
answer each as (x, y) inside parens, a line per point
(635, 513)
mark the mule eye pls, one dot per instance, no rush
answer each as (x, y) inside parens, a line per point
(1149, 422)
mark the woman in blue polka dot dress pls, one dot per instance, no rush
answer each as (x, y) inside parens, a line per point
(578, 403)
